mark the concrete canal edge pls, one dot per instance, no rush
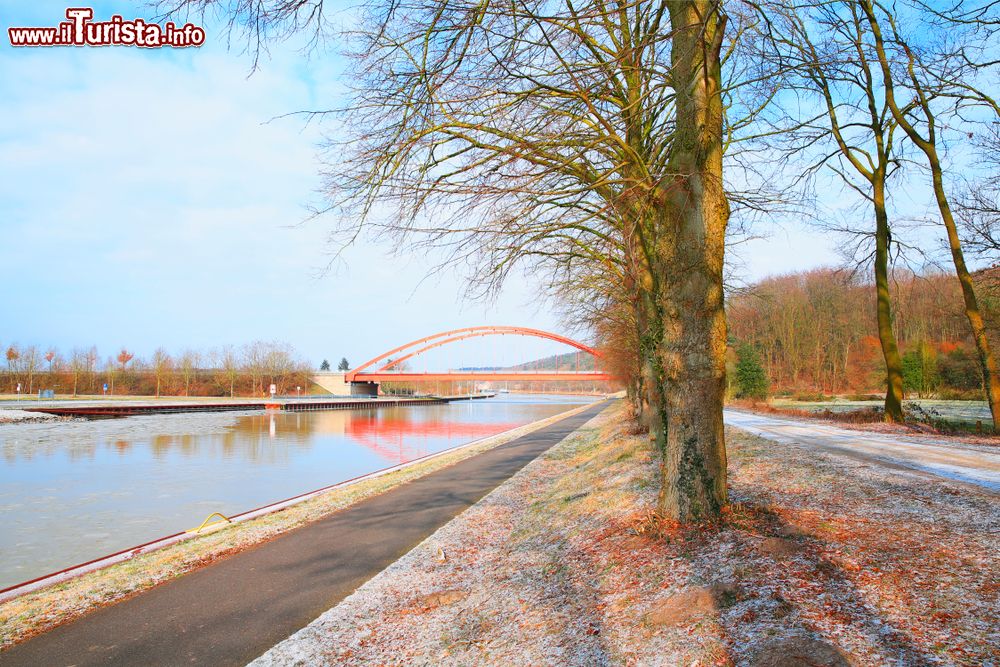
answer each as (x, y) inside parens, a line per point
(110, 409)
(38, 605)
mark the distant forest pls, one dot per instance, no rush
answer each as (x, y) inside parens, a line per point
(815, 333)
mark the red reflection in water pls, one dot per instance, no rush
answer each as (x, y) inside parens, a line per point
(399, 439)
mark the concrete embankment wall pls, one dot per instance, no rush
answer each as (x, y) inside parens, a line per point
(335, 384)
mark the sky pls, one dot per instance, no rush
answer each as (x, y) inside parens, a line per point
(153, 197)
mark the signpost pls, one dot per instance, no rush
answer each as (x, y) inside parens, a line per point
(274, 390)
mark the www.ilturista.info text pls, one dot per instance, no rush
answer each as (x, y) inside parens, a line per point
(81, 30)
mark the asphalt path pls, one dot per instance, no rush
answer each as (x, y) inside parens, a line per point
(232, 611)
(975, 465)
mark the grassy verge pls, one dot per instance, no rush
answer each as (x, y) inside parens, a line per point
(819, 559)
(37, 611)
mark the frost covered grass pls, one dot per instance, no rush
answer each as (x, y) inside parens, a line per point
(968, 421)
(14, 416)
(37, 611)
(826, 558)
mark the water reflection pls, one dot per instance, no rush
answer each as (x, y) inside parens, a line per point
(399, 434)
(71, 491)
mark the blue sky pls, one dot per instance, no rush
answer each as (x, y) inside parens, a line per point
(150, 197)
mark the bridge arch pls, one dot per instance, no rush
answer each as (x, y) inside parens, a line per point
(421, 345)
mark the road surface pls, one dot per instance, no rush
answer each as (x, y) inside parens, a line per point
(233, 611)
(972, 464)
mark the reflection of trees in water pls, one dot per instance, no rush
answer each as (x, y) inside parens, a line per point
(394, 434)
(85, 440)
(261, 439)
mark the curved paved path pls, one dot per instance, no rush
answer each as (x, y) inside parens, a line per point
(232, 611)
(973, 464)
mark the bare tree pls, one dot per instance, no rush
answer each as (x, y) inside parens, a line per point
(111, 372)
(253, 364)
(590, 300)
(56, 365)
(187, 364)
(31, 361)
(978, 203)
(78, 365)
(828, 54)
(280, 364)
(228, 363)
(124, 356)
(162, 365)
(91, 358)
(12, 355)
(927, 83)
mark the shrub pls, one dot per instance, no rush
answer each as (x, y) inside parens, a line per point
(809, 396)
(946, 394)
(960, 370)
(920, 372)
(751, 378)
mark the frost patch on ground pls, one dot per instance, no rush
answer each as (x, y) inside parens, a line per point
(567, 563)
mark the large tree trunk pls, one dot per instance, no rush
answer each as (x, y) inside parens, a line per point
(886, 337)
(691, 244)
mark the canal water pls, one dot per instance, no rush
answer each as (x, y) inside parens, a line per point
(75, 490)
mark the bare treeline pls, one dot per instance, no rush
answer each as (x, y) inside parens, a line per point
(228, 371)
(815, 333)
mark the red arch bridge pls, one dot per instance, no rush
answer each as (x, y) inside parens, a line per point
(390, 366)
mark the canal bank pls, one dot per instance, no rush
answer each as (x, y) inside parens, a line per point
(72, 491)
(41, 610)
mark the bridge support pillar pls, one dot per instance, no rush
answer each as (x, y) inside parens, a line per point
(338, 386)
(364, 389)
